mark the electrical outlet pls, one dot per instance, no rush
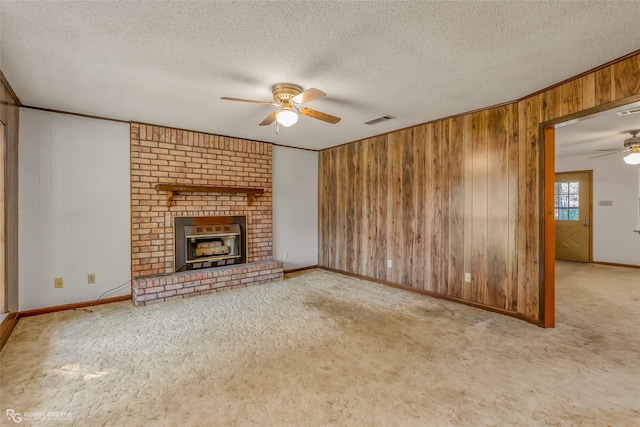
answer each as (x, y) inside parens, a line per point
(467, 277)
(389, 263)
(58, 282)
(286, 255)
(91, 279)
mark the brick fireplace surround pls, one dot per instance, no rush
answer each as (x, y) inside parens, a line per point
(161, 155)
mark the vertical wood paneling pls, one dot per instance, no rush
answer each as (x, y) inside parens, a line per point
(367, 206)
(625, 76)
(454, 196)
(408, 209)
(331, 244)
(589, 91)
(603, 86)
(498, 212)
(571, 94)
(479, 206)
(383, 212)
(372, 171)
(393, 222)
(342, 206)
(445, 185)
(468, 202)
(354, 207)
(429, 198)
(322, 203)
(512, 150)
(455, 241)
(420, 259)
(365, 215)
(435, 260)
(551, 104)
(529, 207)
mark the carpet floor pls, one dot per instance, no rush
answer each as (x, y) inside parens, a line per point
(322, 349)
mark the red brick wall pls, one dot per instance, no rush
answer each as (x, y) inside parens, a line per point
(173, 156)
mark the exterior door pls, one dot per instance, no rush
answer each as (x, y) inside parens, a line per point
(572, 212)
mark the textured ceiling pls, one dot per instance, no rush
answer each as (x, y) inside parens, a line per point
(170, 62)
(603, 131)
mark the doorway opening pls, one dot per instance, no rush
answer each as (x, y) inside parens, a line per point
(556, 151)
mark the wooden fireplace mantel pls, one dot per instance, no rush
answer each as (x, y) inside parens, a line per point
(172, 189)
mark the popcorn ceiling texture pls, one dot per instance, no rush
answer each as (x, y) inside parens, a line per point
(173, 156)
(170, 62)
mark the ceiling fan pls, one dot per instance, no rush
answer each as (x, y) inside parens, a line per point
(289, 98)
(631, 145)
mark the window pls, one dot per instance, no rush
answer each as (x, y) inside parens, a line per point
(567, 201)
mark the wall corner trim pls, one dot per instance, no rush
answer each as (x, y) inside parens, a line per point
(4, 80)
(8, 323)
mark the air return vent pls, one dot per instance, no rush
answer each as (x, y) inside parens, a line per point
(628, 112)
(379, 119)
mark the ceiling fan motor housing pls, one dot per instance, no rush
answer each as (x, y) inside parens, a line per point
(634, 141)
(283, 92)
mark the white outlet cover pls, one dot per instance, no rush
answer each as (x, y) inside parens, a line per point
(467, 277)
(389, 263)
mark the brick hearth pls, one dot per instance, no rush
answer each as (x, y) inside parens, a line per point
(151, 290)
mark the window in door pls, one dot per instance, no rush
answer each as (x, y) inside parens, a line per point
(567, 201)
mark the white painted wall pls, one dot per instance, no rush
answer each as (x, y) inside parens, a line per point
(295, 207)
(613, 236)
(74, 208)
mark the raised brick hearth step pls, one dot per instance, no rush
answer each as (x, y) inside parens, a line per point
(154, 289)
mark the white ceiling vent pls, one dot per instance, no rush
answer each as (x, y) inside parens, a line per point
(379, 119)
(628, 112)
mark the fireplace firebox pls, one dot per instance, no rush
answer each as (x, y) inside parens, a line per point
(204, 242)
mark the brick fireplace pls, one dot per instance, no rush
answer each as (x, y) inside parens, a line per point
(161, 155)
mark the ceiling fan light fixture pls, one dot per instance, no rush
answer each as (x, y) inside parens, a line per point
(634, 157)
(287, 118)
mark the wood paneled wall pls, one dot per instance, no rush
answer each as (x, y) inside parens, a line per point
(457, 195)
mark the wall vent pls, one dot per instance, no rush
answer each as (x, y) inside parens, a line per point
(379, 119)
(628, 112)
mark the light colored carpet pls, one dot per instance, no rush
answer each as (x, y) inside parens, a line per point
(323, 349)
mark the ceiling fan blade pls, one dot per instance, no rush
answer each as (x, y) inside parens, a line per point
(319, 115)
(308, 95)
(609, 149)
(608, 154)
(269, 119)
(251, 101)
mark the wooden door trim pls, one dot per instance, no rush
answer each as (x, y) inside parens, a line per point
(548, 247)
